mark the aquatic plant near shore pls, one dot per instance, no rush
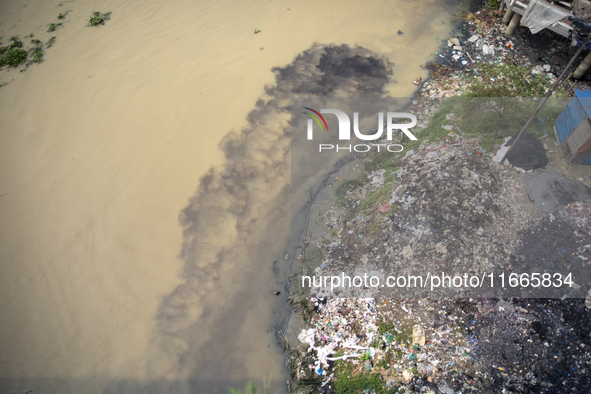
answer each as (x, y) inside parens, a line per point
(50, 43)
(97, 18)
(12, 55)
(36, 55)
(53, 26)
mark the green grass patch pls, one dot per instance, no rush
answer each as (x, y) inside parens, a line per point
(98, 19)
(62, 16)
(365, 382)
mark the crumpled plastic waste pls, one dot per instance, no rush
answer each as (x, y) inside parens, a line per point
(407, 251)
(418, 336)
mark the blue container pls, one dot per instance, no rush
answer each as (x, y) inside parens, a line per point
(573, 129)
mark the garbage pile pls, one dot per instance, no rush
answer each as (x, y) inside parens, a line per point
(450, 346)
(448, 204)
(408, 343)
(447, 207)
(481, 40)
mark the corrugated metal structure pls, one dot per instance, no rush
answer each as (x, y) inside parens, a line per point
(573, 129)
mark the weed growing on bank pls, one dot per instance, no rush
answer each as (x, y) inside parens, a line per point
(356, 378)
(347, 381)
(507, 80)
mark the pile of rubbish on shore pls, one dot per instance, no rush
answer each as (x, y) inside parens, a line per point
(449, 205)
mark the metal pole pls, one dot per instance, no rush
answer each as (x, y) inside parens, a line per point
(531, 118)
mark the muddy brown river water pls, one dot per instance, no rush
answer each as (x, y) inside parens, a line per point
(117, 274)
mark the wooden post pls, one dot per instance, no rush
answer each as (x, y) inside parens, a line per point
(513, 25)
(584, 66)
